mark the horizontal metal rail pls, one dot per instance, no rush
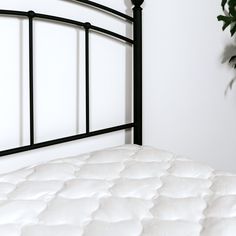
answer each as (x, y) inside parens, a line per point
(14, 13)
(105, 8)
(104, 31)
(66, 139)
(59, 19)
(66, 20)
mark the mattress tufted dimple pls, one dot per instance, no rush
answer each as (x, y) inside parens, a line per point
(124, 191)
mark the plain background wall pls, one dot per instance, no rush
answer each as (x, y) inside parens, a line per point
(185, 109)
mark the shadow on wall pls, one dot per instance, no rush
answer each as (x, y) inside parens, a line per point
(128, 77)
(77, 81)
(229, 51)
(21, 77)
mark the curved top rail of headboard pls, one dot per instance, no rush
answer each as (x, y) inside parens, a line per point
(32, 14)
(105, 8)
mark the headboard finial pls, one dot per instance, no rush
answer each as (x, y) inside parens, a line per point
(137, 3)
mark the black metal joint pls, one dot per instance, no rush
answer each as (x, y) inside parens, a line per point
(138, 8)
(31, 14)
(137, 3)
(87, 25)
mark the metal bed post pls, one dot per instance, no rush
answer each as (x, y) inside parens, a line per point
(137, 10)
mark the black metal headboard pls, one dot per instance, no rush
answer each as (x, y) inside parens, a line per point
(136, 20)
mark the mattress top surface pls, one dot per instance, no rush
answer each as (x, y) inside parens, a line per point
(123, 191)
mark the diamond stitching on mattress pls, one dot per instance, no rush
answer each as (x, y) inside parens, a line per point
(128, 191)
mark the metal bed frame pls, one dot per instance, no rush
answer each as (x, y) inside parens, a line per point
(136, 42)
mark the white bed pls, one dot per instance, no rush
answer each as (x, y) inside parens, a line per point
(124, 191)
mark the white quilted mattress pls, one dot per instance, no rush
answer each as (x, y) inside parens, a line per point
(123, 191)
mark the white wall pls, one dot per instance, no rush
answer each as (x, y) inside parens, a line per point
(185, 109)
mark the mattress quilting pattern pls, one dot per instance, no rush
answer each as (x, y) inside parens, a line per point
(124, 191)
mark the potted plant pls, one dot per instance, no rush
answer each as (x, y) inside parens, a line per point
(229, 20)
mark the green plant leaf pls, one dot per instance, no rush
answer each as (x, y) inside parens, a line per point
(226, 24)
(223, 3)
(232, 59)
(228, 20)
(232, 9)
(233, 29)
(231, 2)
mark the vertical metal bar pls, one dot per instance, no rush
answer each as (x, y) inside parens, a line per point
(31, 76)
(137, 11)
(87, 77)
